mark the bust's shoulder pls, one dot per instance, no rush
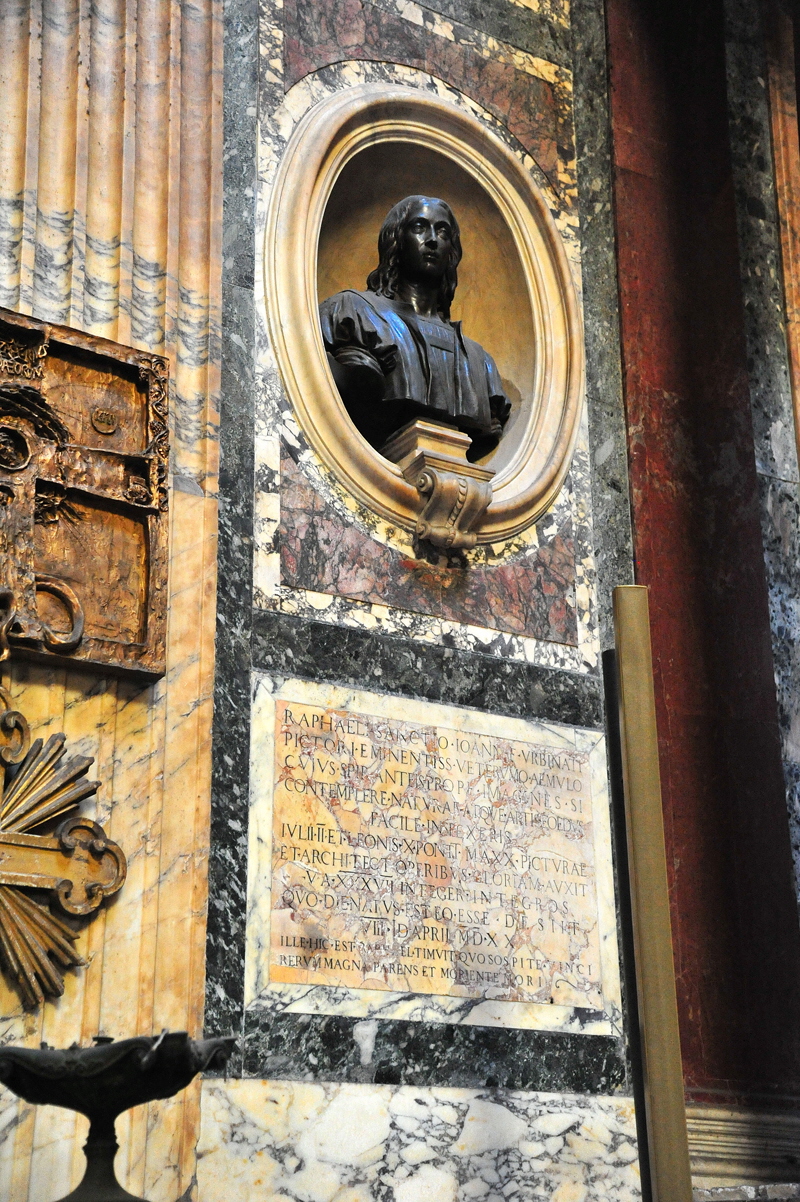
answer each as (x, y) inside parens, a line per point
(479, 354)
(347, 312)
(350, 298)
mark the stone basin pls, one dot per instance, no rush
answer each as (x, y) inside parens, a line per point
(104, 1080)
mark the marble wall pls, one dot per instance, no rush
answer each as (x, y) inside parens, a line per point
(705, 395)
(110, 222)
(537, 75)
(283, 1124)
(320, 636)
(302, 1141)
(113, 146)
(110, 150)
(768, 276)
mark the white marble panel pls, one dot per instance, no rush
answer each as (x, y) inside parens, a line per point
(277, 1141)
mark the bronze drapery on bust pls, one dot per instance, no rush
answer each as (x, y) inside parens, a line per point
(393, 350)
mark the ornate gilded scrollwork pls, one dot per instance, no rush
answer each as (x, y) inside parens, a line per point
(54, 640)
(76, 863)
(84, 455)
(153, 371)
(21, 359)
(14, 731)
(8, 615)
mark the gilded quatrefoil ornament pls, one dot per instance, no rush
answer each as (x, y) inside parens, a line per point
(73, 861)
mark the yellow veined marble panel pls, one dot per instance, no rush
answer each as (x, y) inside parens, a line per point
(399, 998)
(110, 221)
(410, 856)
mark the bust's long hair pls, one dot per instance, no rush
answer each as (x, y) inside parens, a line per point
(386, 276)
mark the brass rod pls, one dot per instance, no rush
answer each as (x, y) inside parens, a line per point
(652, 933)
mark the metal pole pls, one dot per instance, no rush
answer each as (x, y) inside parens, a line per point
(619, 829)
(668, 1146)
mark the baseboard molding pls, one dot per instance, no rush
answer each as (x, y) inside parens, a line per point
(748, 1193)
(731, 1147)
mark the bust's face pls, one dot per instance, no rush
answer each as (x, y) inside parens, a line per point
(426, 243)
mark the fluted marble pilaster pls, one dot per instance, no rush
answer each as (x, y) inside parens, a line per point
(14, 26)
(109, 197)
(110, 179)
(151, 183)
(107, 134)
(58, 130)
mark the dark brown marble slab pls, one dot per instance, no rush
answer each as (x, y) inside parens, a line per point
(531, 594)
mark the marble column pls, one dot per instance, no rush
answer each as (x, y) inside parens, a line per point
(109, 218)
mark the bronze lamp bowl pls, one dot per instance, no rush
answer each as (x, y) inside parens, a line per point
(103, 1081)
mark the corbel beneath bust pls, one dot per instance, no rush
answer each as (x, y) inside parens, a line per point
(454, 493)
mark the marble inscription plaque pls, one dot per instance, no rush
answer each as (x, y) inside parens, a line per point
(417, 858)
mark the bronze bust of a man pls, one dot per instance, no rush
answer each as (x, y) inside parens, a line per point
(394, 352)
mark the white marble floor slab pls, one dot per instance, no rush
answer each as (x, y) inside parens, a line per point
(279, 1141)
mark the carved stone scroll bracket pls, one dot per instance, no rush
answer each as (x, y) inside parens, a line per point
(76, 864)
(454, 493)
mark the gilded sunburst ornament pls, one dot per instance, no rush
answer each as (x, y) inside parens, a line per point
(69, 857)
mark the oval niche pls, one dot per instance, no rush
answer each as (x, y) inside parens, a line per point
(349, 160)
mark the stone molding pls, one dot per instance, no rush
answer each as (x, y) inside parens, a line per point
(748, 1193)
(329, 137)
(742, 1147)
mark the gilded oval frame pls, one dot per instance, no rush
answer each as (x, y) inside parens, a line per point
(324, 141)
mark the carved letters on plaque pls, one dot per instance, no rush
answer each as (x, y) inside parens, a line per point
(75, 862)
(419, 858)
(84, 450)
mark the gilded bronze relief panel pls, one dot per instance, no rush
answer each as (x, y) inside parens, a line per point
(84, 448)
